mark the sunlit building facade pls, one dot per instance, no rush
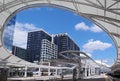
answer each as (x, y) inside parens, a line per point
(9, 34)
(48, 50)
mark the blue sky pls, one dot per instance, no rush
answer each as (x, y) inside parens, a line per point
(89, 37)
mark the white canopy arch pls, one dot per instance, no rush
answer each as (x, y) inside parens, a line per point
(104, 13)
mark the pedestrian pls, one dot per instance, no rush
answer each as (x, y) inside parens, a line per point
(61, 75)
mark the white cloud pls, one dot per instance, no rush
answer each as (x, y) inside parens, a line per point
(8, 30)
(92, 45)
(25, 27)
(95, 28)
(83, 26)
(20, 34)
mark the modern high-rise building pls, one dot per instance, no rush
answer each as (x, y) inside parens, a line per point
(9, 34)
(36, 45)
(48, 50)
(65, 43)
(42, 46)
(19, 52)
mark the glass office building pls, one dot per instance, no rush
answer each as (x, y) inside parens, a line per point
(42, 46)
(65, 43)
(19, 52)
(9, 34)
(34, 43)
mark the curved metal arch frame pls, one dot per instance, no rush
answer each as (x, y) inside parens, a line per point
(75, 52)
(78, 59)
(106, 9)
(77, 56)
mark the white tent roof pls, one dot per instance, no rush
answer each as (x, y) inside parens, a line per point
(104, 13)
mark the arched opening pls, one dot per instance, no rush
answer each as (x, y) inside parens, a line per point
(94, 10)
(90, 27)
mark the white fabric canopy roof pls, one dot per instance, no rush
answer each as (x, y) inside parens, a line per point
(104, 13)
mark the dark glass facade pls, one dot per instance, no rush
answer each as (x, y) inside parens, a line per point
(34, 44)
(9, 33)
(40, 50)
(65, 43)
(19, 52)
